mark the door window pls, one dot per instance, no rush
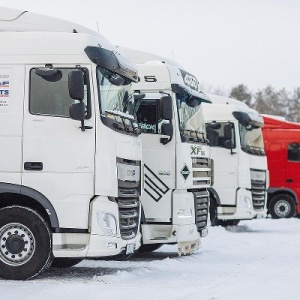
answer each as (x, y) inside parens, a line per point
(49, 95)
(294, 152)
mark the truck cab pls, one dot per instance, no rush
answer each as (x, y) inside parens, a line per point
(70, 167)
(175, 153)
(282, 145)
(240, 164)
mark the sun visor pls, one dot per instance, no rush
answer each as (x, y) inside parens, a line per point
(180, 89)
(113, 61)
(249, 118)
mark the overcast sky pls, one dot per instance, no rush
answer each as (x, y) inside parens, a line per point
(222, 42)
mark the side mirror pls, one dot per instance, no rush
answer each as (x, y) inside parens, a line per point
(213, 125)
(76, 85)
(166, 108)
(227, 132)
(192, 102)
(166, 129)
(77, 111)
(116, 79)
(228, 144)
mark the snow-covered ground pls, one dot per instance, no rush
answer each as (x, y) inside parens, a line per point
(257, 259)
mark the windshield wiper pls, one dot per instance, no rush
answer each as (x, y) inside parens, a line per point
(129, 126)
(199, 136)
(254, 150)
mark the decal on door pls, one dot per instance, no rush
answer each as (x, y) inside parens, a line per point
(5, 77)
(154, 187)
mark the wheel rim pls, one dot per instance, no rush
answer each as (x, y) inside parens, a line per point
(282, 208)
(17, 244)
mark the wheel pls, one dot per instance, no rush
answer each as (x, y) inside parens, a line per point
(65, 262)
(149, 247)
(282, 206)
(25, 243)
(225, 223)
(213, 213)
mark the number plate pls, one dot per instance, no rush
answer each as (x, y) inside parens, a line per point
(130, 248)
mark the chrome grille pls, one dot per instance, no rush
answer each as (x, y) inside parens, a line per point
(201, 171)
(201, 209)
(129, 203)
(129, 207)
(258, 191)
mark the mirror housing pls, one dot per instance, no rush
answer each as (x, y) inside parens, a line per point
(49, 74)
(116, 79)
(76, 85)
(166, 129)
(213, 125)
(227, 131)
(77, 111)
(166, 108)
(228, 144)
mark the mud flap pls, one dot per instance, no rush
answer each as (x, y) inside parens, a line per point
(186, 248)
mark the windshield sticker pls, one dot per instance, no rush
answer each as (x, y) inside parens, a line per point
(185, 172)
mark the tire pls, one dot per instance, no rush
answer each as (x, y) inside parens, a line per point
(149, 247)
(282, 206)
(25, 243)
(213, 213)
(65, 262)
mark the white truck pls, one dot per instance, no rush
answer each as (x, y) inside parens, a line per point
(240, 163)
(70, 155)
(175, 153)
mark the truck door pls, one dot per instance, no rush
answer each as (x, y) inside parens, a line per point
(225, 161)
(292, 173)
(58, 157)
(159, 160)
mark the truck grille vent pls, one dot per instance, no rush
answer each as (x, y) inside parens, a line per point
(258, 190)
(201, 208)
(129, 207)
(201, 172)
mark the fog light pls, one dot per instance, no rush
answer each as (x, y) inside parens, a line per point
(107, 223)
(245, 201)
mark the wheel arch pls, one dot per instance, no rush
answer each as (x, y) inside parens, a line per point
(272, 192)
(13, 194)
(213, 194)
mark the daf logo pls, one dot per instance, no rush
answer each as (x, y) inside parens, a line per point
(185, 172)
(197, 150)
(191, 81)
(130, 173)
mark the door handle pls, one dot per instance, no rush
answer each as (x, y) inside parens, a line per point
(33, 166)
(289, 180)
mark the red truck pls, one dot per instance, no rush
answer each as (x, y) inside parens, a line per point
(282, 146)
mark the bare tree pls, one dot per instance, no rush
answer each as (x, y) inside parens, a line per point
(242, 93)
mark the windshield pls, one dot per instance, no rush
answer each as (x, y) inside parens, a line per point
(191, 123)
(251, 140)
(116, 99)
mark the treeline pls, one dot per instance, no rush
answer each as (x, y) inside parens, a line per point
(268, 100)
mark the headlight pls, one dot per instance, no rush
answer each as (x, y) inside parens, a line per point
(107, 223)
(245, 201)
